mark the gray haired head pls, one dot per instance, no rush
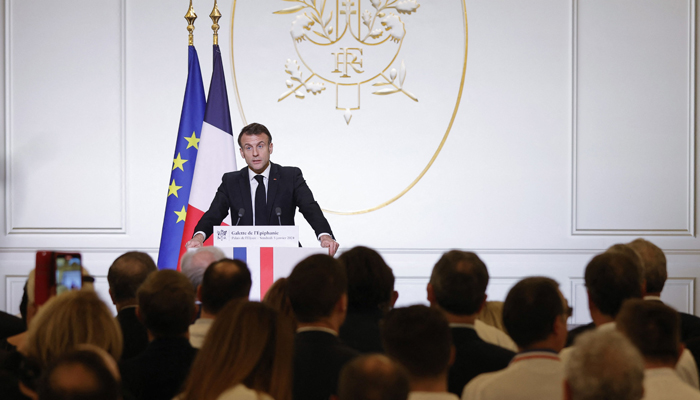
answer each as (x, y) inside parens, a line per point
(194, 263)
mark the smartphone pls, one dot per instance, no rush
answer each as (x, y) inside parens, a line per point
(68, 272)
(44, 277)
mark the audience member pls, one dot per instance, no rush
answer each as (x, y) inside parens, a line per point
(458, 289)
(125, 276)
(611, 278)
(485, 331)
(166, 308)
(655, 274)
(534, 314)
(373, 377)
(79, 374)
(371, 295)
(318, 294)
(247, 356)
(604, 365)
(654, 329)
(223, 281)
(419, 338)
(277, 298)
(195, 262)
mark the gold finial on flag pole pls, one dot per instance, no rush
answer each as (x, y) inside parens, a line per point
(215, 15)
(190, 17)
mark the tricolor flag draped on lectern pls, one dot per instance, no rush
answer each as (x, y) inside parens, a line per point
(183, 164)
(216, 152)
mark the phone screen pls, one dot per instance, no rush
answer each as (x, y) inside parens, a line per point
(69, 275)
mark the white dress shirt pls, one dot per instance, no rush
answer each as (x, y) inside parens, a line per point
(198, 331)
(665, 384)
(493, 335)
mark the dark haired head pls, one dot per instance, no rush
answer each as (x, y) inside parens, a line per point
(315, 286)
(223, 281)
(653, 327)
(531, 309)
(166, 303)
(459, 281)
(611, 278)
(654, 261)
(127, 273)
(254, 129)
(79, 375)
(370, 280)
(419, 338)
(373, 377)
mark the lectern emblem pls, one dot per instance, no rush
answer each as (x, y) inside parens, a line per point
(342, 47)
(222, 235)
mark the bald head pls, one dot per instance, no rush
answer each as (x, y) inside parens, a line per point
(224, 281)
(373, 377)
(126, 274)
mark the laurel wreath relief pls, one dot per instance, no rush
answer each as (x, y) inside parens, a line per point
(317, 27)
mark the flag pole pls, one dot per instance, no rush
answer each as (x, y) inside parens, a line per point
(215, 15)
(190, 17)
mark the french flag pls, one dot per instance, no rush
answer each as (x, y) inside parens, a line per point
(216, 153)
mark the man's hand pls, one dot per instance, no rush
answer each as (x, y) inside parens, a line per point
(328, 242)
(195, 242)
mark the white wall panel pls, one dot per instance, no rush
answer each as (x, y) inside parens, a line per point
(65, 116)
(634, 108)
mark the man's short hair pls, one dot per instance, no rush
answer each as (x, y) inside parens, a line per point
(166, 303)
(611, 278)
(654, 261)
(373, 377)
(605, 365)
(127, 273)
(79, 374)
(459, 281)
(370, 280)
(254, 129)
(194, 263)
(419, 338)
(223, 281)
(653, 327)
(531, 309)
(316, 285)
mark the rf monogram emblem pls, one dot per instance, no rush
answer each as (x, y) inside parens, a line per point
(342, 46)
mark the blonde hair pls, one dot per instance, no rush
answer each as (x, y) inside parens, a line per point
(249, 343)
(70, 319)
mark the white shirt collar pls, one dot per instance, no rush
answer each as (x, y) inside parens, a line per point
(431, 396)
(657, 298)
(460, 325)
(265, 173)
(317, 328)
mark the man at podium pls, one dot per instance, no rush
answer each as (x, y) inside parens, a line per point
(262, 193)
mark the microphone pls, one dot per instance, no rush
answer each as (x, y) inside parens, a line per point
(278, 212)
(241, 211)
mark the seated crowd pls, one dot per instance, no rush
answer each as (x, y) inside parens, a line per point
(330, 331)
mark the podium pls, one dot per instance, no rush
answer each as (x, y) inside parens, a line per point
(271, 252)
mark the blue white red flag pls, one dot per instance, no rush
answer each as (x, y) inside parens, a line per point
(184, 159)
(216, 152)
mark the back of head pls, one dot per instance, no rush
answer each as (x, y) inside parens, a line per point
(277, 298)
(654, 261)
(605, 365)
(370, 280)
(127, 273)
(373, 377)
(166, 303)
(531, 309)
(194, 263)
(315, 286)
(459, 281)
(611, 278)
(223, 281)
(79, 375)
(71, 319)
(419, 338)
(248, 343)
(653, 327)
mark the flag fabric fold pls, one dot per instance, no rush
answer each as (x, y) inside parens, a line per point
(184, 159)
(216, 152)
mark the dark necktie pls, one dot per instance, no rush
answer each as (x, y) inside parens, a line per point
(260, 202)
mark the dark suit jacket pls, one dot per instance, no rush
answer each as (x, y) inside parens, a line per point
(690, 325)
(577, 331)
(134, 333)
(361, 331)
(473, 357)
(160, 371)
(286, 189)
(318, 359)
